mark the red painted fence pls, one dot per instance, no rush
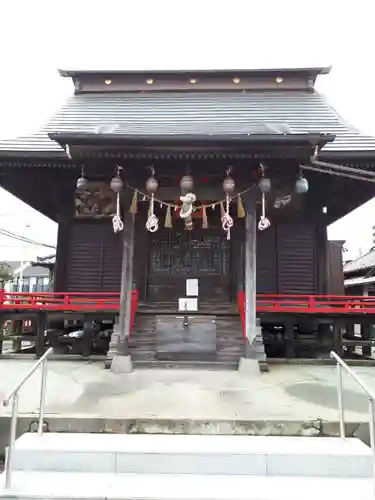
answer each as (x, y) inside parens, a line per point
(66, 302)
(320, 304)
(272, 303)
(308, 304)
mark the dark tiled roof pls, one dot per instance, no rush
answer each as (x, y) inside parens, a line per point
(174, 113)
(365, 262)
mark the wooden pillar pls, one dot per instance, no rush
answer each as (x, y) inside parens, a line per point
(126, 285)
(17, 343)
(86, 341)
(2, 331)
(62, 252)
(337, 338)
(289, 338)
(250, 276)
(40, 323)
(366, 335)
(322, 255)
(349, 328)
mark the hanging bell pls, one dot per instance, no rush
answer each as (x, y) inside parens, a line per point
(186, 184)
(265, 185)
(82, 183)
(116, 184)
(228, 185)
(302, 185)
(151, 185)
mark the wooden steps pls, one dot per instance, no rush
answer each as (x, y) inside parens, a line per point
(145, 352)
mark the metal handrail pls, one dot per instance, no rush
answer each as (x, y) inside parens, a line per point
(14, 397)
(340, 364)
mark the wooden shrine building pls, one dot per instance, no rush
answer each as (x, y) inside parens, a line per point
(193, 209)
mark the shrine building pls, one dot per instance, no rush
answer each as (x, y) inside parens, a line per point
(193, 209)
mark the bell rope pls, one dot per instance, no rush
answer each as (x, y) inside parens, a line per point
(264, 222)
(117, 223)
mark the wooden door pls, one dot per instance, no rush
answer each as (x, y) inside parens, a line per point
(178, 255)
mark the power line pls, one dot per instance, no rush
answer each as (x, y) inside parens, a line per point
(23, 239)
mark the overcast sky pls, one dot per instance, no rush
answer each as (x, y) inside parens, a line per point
(39, 36)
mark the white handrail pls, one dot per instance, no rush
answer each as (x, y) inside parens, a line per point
(14, 397)
(340, 364)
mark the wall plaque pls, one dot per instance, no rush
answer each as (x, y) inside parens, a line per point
(192, 287)
(187, 304)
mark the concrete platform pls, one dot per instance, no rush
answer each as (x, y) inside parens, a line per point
(61, 486)
(83, 397)
(183, 454)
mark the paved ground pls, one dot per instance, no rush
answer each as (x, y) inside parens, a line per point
(286, 393)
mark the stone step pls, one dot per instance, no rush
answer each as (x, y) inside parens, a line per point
(150, 362)
(183, 454)
(82, 486)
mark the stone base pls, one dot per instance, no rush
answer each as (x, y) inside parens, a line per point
(249, 366)
(121, 364)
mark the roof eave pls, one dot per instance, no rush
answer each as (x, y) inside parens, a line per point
(92, 139)
(311, 71)
(348, 154)
(50, 155)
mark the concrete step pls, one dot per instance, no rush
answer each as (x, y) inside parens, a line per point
(184, 454)
(64, 486)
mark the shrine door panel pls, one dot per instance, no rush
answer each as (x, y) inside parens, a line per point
(176, 256)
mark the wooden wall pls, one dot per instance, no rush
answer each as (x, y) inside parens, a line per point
(290, 258)
(287, 259)
(92, 258)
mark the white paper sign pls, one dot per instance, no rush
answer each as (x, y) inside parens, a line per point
(187, 304)
(192, 287)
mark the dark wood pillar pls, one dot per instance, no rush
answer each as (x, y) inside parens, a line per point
(126, 284)
(17, 343)
(86, 341)
(40, 323)
(366, 335)
(322, 255)
(349, 330)
(337, 338)
(62, 251)
(289, 338)
(2, 331)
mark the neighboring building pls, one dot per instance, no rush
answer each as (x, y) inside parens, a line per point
(360, 275)
(262, 146)
(29, 278)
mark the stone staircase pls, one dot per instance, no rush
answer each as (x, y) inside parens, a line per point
(158, 467)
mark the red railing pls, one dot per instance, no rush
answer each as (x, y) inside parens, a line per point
(317, 304)
(133, 309)
(308, 304)
(66, 302)
(111, 302)
(241, 310)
